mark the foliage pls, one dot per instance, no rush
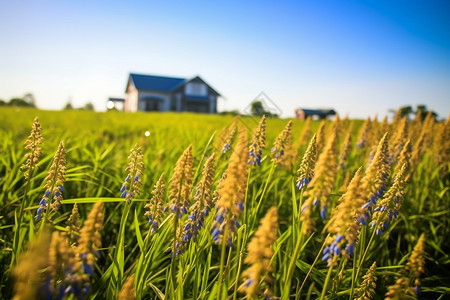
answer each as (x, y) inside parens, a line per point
(120, 254)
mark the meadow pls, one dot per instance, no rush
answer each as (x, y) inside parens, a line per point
(190, 206)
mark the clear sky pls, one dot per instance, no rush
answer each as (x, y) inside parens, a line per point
(360, 57)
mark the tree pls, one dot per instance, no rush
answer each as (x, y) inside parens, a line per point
(257, 109)
(68, 106)
(29, 98)
(89, 106)
(19, 102)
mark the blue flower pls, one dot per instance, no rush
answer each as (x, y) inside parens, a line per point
(323, 212)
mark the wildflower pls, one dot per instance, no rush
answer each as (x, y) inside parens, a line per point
(230, 135)
(65, 270)
(306, 133)
(260, 253)
(28, 274)
(180, 183)
(320, 137)
(202, 202)
(323, 181)
(54, 181)
(258, 143)
(342, 226)
(404, 159)
(367, 289)
(410, 274)
(90, 238)
(32, 144)
(416, 263)
(444, 146)
(74, 224)
(128, 292)
(179, 192)
(232, 191)
(306, 170)
(384, 127)
(418, 149)
(364, 134)
(346, 148)
(282, 142)
(388, 208)
(373, 183)
(399, 139)
(397, 117)
(133, 181)
(155, 207)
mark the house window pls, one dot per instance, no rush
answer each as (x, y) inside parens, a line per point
(196, 89)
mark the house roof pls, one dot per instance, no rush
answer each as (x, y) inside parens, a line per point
(318, 111)
(155, 83)
(160, 83)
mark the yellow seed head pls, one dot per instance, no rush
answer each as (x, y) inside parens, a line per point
(128, 292)
(32, 144)
(181, 182)
(399, 139)
(230, 203)
(364, 135)
(29, 272)
(134, 177)
(306, 132)
(342, 220)
(55, 179)
(324, 176)
(367, 289)
(155, 207)
(373, 183)
(260, 252)
(282, 144)
(346, 149)
(306, 170)
(90, 238)
(74, 224)
(320, 137)
(228, 136)
(416, 262)
(258, 143)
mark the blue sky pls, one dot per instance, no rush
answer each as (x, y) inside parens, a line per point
(360, 57)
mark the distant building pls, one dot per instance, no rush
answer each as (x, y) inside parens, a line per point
(321, 114)
(157, 93)
(115, 103)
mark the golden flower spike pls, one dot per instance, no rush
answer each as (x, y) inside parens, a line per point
(260, 253)
(133, 181)
(367, 289)
(54, 183)
(156, 206)
(32, 144)
(258, 143)
(282, 143)
(230, 203)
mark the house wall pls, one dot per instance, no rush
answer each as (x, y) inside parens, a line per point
(131, 100)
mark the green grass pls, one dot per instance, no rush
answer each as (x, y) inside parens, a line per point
(98, 145)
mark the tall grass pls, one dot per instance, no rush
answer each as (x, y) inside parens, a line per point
(127, 256)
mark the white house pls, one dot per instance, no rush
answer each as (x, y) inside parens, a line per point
(158, 93)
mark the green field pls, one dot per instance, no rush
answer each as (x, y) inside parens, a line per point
(301, 250)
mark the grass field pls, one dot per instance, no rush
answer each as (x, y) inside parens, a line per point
(309, 222)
